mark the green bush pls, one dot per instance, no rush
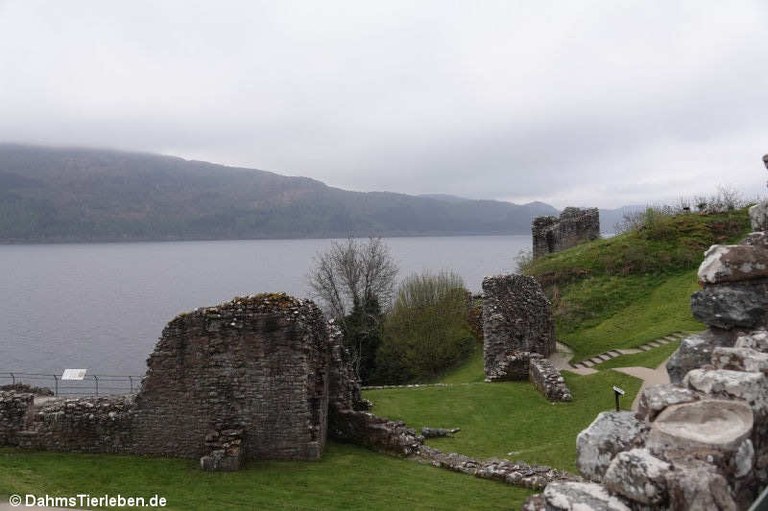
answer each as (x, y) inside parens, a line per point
(427, 331)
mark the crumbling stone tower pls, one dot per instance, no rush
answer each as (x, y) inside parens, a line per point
(517, 321)
(552, 234)
(249, 376)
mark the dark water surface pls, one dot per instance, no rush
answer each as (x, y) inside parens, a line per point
(103, 306)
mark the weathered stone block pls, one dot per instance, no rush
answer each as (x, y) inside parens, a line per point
(711, 430)
(377, 433)
(656, 398)
(698, 487)
(638, 476)
(756, 340)
(512, 367)
(569, 496)
(696, 351)
(733, 263)
(750, 387)
(609, 434)
(758, 216)
(757, 239)
(728, 306)
(740, 359)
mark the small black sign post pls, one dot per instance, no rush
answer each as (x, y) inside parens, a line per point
(617, 392)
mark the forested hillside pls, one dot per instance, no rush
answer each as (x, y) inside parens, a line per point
(51, 195)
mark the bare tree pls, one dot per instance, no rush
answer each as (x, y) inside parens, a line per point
(351, 274)
(354, 282)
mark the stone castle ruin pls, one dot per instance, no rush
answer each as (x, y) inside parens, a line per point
(573, 226)
(259, 377)
(257, 369)
(518, 333)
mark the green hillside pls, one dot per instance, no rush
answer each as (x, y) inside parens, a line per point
(632, 288)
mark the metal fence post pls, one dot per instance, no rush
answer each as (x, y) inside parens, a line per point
(96, 379)
(55, 385)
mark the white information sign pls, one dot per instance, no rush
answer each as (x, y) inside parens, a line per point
(73, 374)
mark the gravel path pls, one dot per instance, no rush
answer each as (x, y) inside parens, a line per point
(560, 360)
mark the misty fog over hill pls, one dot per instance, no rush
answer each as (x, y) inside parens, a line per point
(72, 194)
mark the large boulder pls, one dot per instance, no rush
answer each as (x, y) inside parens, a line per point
(723, 383)
(728, 306)
(696, 351)
(756, 340)
(699, 487)
(758, 216)
(713, 430)
(609, 434)
(733, 263)
(656, 398)
(638, 476)
(574, 496)
(740, 359)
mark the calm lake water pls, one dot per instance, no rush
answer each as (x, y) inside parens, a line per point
(103, 306)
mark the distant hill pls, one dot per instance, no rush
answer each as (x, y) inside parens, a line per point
(57, 195)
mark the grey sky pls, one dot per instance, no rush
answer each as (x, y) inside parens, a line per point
(568, 102)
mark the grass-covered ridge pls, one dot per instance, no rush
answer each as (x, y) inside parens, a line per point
(632, 288)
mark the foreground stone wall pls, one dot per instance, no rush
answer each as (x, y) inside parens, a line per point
(573, 226)
(517, 321)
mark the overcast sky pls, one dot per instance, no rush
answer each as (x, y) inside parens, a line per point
(583, 103)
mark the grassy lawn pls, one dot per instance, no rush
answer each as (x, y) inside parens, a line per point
(664, 308)
(501, 418)
(470, 372)
(346, 478)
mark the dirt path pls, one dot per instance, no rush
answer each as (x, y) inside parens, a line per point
(560, 359)
(649, 376)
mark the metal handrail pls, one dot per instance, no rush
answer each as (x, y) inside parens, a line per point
(761, 502)
(93, 384)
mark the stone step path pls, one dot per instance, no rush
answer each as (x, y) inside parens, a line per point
(608, 355)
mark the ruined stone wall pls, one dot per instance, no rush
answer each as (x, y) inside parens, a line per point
(516, 320)
(548, 380)
(92, 425)
(258, 364)
(14, 409)
(573, 226)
